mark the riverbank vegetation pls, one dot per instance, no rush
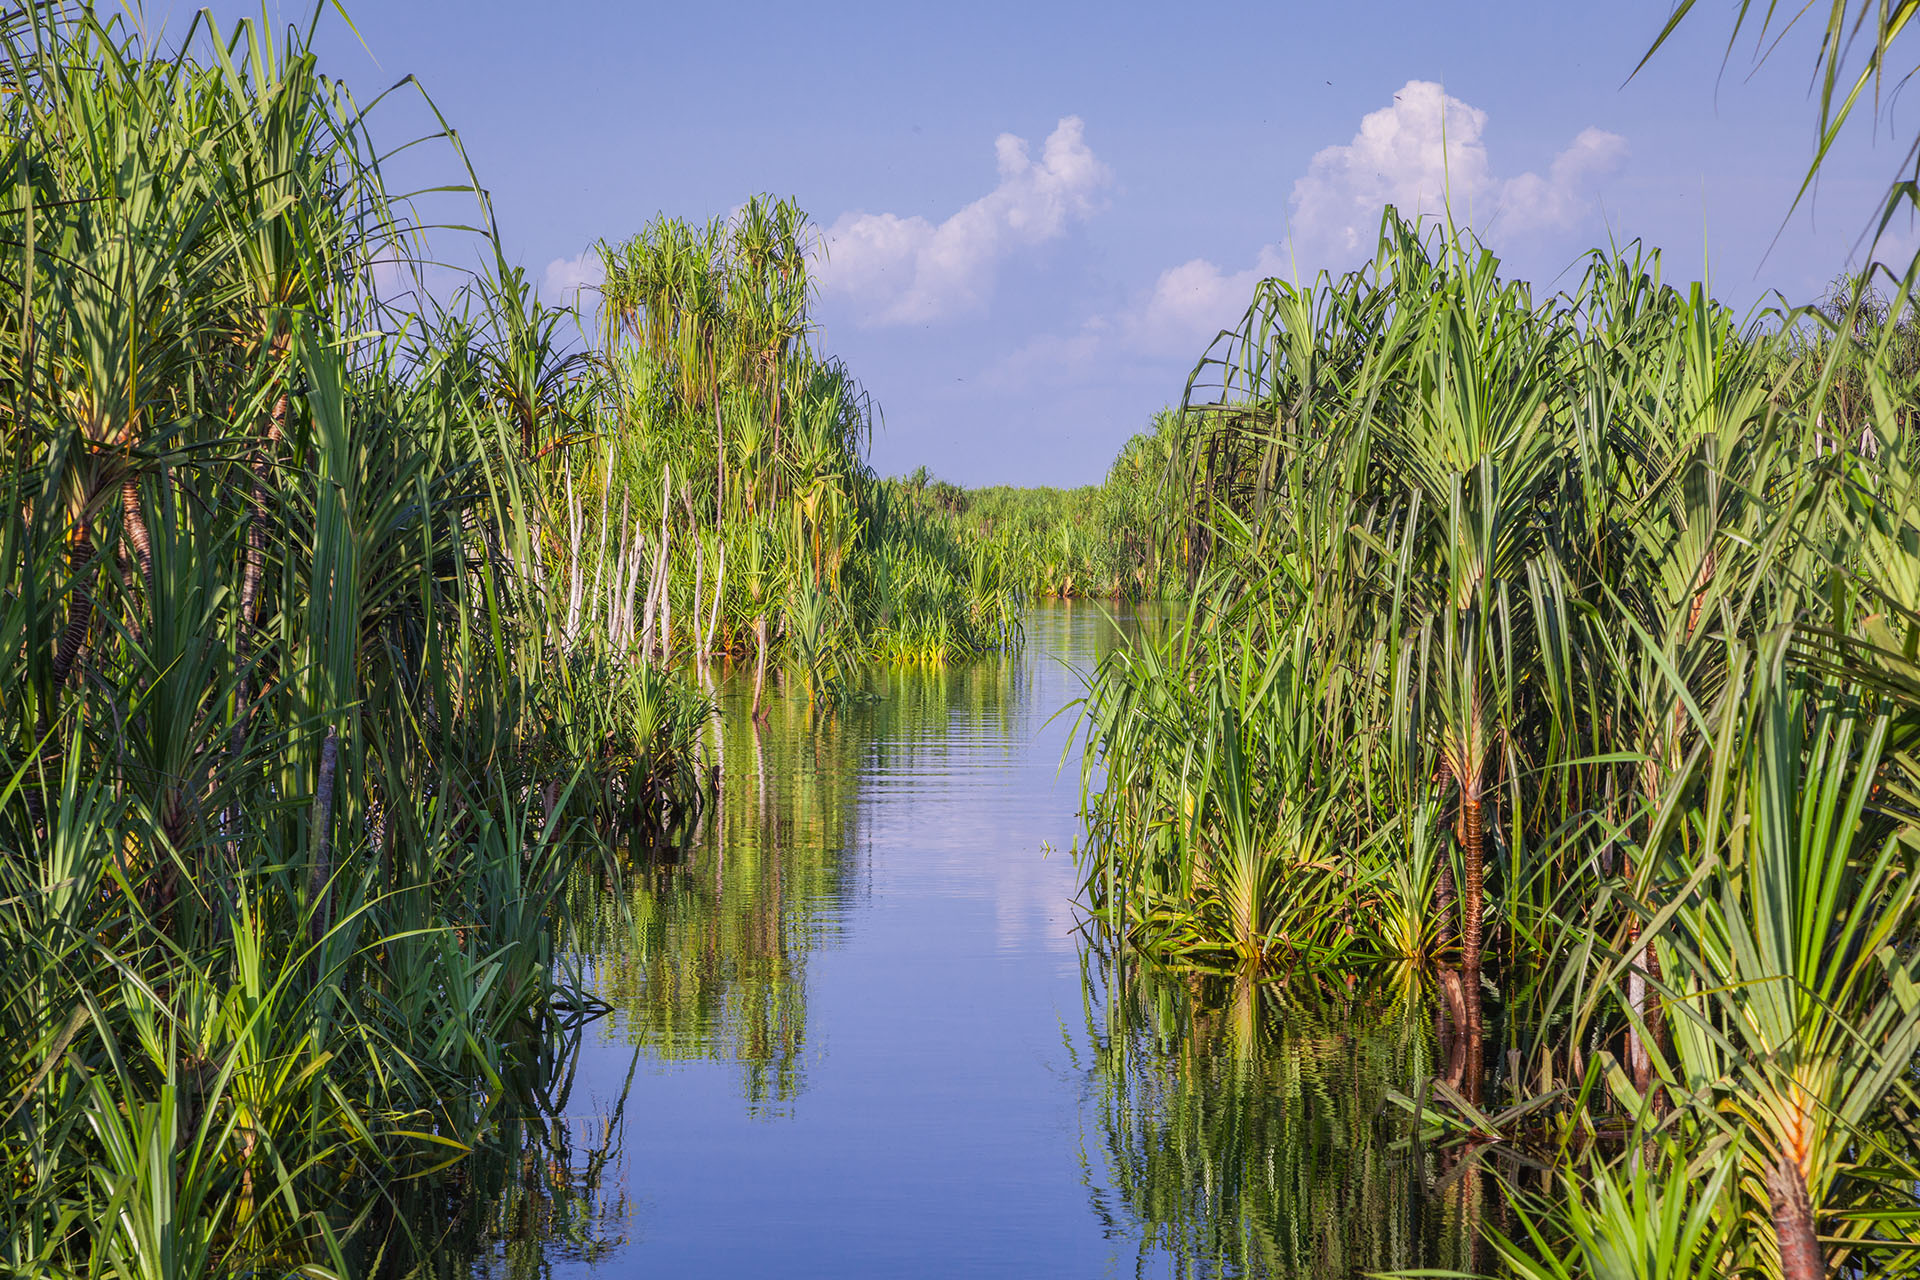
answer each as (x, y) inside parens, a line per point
(298, 741)
(723, 509)
(1247, 1129)
(1094, 542)
(1558, 653)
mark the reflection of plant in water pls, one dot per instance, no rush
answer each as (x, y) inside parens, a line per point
(551, 1187)
(704, 951)
(1244, 1127)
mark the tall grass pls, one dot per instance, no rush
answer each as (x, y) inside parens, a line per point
(1560, 648)
(295, 751)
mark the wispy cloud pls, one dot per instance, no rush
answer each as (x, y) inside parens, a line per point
(910, 270)
(1192, 302)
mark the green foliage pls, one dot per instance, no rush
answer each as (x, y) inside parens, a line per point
(1572, 639)
(295, 752)
(1242, 1128)
(772, 535)
(1097, 541)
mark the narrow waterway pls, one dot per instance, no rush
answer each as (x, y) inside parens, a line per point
(856, 1031)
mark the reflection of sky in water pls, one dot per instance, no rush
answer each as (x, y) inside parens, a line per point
(864, 1046)
(967, 818)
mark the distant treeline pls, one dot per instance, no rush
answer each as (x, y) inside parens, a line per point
(1107, 541)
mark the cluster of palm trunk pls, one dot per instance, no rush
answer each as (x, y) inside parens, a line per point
(728, 488)
(1560, 651)
(295, 747)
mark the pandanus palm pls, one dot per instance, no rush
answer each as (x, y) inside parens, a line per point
(1798, 1020)
(324, 664)
(526, 371)
(1699, 563)
(1475, 449)
(121, 288)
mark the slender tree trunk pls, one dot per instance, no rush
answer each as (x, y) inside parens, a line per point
(1656, 1023)
(1446, 893)
(136, 524)
(1800, 1257)
(719, 589)
(606, 497)
(79, 608)
(1475, 874)
(636, 560)
(699, 585)
(666, 562)
(652, 606)
(1645, 1001)
(1456, 1046)
(759, 664)
(575, 583)
(1444, 903)
(618, 575)
(254, 571)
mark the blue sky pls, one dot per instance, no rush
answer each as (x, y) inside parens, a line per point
(1039, 213)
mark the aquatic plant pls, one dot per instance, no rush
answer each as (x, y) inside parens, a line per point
(1582, 630)
(771, 532)
(296, 750)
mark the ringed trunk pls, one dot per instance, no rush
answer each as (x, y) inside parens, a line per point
(136, 523)
(1475, 863)
(1800, 1257)
(79, 609)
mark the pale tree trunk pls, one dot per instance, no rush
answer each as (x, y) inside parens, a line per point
(606, 499)
(699, 586)
(574, 583)
(759, 664)
(666, 562)
(635, 562)
(719, 588)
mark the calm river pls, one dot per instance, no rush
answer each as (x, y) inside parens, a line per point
(855, 1032)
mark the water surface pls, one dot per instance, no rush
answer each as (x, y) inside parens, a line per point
(856, 1031)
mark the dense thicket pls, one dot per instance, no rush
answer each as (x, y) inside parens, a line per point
(1563, 651)
(726, 486)
(295, 742)
(1101, 540)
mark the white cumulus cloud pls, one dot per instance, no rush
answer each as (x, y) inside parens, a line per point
(564, 279)
(910, 270)
(1426, 154)
(1192, 302)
